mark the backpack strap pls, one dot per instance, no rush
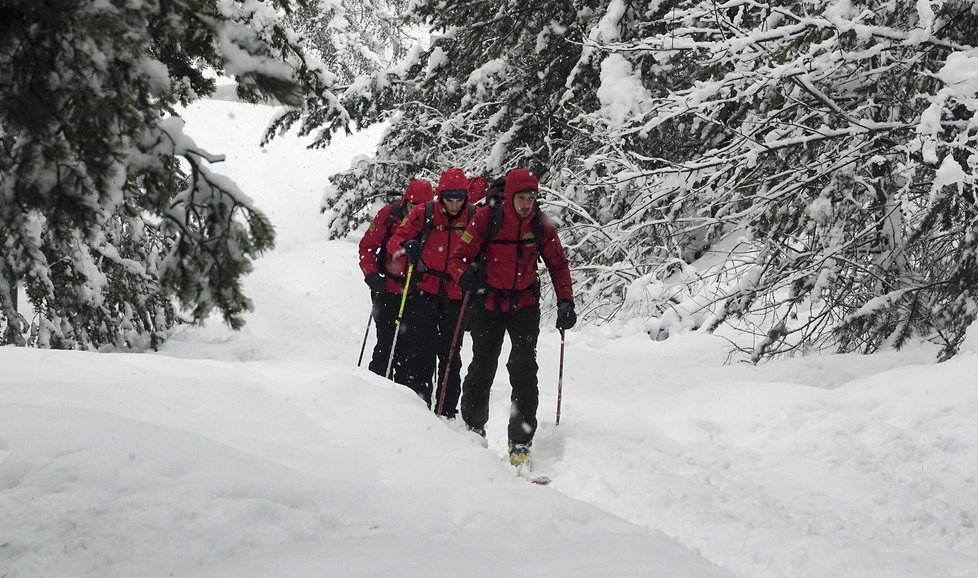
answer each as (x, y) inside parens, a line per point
(429, 225)
(429, 221)
(429, 214)
(495, 221)
(537, 225)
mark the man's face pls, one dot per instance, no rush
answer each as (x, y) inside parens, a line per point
(454, 206)
(523, 203)
(408, 206)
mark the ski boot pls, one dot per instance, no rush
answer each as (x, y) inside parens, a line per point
(519, 454)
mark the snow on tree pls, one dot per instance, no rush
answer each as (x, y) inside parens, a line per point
(485, 95)
(353, 37)
(803, 170)
(837, 169)
(510, 84)
(108, 212)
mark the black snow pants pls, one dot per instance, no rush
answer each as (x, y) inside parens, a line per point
(385, 306)
(488, 330)
(433, 322)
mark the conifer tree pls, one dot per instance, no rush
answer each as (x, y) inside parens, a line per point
(803, 170)
(353, 37)
(839, 179)
(110, 216)
(485, 96)
(508, 84)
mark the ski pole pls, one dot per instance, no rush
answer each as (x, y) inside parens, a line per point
(366, 332)
(451, 354)
(397, 321)
(560, 376)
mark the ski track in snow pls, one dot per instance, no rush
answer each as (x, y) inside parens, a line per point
(823, 466)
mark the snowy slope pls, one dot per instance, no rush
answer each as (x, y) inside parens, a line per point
(269, 453)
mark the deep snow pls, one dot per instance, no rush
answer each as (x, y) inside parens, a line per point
(267, 452)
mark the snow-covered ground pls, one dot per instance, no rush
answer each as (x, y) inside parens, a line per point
(269, 453)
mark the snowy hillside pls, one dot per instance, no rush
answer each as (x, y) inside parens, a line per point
(269, 453)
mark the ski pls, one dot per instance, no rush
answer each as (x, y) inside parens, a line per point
(538, 479)
(532, 477)
(522, 471)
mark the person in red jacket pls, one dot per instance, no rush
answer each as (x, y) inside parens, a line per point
(427, 238)
(384, 273)
(499, 261)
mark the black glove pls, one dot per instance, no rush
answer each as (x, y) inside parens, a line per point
(566, 318)
(470, 281)
(375, 281)
(412, 250)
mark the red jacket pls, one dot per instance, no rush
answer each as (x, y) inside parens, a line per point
(370, 245)
(511, 267)
(443, 237)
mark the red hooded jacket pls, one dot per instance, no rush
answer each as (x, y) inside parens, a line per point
(511, 256)
(443, 236)
(380, 230)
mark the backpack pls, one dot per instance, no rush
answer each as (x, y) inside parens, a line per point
(496, 190)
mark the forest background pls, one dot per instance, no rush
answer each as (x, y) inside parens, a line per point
(802, 171)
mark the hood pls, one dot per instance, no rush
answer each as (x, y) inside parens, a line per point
(452, 180)
(519, 180)
(477, 189)
(418, 192)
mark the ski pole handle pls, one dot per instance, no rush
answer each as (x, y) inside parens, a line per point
(404, 294)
